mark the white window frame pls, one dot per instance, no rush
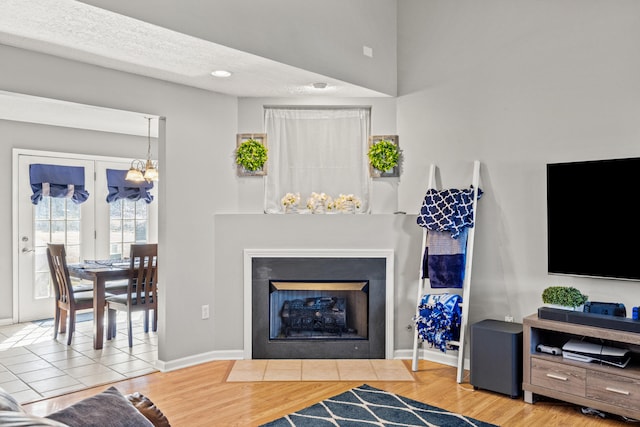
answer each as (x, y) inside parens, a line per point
(103, 219)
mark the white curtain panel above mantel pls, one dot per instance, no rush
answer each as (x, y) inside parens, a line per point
(319, 150)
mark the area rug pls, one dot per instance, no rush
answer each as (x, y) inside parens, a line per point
(369, 406)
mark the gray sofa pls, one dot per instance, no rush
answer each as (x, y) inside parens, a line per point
(109, 408)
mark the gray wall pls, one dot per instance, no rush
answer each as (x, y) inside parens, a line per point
(516, 85)
(325, 36)
(234, 233)
(47, 138)
(201, 131)
(201, 128)
(384, 192)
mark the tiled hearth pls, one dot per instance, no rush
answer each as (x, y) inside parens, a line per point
(319, 370)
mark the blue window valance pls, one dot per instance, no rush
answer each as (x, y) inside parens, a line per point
(57, 181)
(120, 188)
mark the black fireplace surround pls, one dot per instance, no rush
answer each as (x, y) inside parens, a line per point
(267, 269)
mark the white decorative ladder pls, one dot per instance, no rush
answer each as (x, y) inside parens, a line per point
(423, 284)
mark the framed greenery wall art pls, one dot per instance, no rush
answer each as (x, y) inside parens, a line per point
(251, 154)
(384, 156)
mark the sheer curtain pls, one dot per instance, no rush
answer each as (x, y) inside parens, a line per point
(322, 150)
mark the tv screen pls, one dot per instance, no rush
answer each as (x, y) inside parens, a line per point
(592, 225)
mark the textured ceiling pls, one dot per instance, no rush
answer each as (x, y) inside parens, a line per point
(85, 33)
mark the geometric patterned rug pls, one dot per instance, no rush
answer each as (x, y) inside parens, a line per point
(368, 406)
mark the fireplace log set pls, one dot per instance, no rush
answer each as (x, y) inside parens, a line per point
(323, 314)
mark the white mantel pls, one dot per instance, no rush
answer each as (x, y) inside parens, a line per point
(235, 235)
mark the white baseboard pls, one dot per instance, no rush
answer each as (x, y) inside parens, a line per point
(7, 321)
(450, 358)
(197, 359)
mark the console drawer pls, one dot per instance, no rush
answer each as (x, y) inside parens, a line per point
(557, 376)
(614, 389)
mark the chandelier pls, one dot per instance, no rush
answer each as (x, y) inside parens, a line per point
(141, 170)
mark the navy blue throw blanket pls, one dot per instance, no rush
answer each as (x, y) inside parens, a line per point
(57, 181)
(444, 259)
(439, 319)
(120, 188)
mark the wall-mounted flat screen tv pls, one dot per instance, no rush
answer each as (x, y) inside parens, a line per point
(593, 225)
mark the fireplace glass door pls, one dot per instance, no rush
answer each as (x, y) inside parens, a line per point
(318, 310)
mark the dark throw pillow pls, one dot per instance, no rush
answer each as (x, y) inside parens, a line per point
(107, 409)
(148, 409)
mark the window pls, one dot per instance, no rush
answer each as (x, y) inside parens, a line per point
(315, 149)
(128, 223)
(56, 220)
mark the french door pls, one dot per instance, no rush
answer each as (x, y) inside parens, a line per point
(55, 220)
(94, 229)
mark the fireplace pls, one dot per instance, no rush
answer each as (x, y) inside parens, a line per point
(318, 310)
(332, 305)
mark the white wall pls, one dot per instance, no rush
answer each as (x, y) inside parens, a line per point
(517, 84)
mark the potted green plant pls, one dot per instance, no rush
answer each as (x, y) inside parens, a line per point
(564, 296)
(251, 155)
(383, 155)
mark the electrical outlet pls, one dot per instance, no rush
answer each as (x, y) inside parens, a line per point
(205, 311)
(508, 318)
(367, 51)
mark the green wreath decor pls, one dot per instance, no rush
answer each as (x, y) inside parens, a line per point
(251, 155)
(384, 155)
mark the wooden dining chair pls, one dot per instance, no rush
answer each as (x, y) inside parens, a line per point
(141, 293)
(68, 302)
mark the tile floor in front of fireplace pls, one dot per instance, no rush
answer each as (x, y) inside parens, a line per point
(319, 370)
(34, 366)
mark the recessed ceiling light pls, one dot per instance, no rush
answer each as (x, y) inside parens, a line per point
(220, 73)
(320, 85)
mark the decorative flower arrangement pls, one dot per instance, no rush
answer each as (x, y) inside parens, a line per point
(290, 200)
(251, 155)
(318, 201)
(346, 203)
(384, 155)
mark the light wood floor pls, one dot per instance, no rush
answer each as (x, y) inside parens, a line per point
(200, 396)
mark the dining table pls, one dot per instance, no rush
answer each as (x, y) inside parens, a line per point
(99, 273)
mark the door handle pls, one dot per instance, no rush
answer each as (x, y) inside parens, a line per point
(27, 250)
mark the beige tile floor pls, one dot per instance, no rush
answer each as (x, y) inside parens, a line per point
(319, 370)
(34, 366)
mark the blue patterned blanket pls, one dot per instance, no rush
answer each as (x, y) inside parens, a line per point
(447, 210)
(438, 320)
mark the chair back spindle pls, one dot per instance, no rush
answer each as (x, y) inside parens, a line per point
(144, 275)
(57, 258)
(141, 290)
